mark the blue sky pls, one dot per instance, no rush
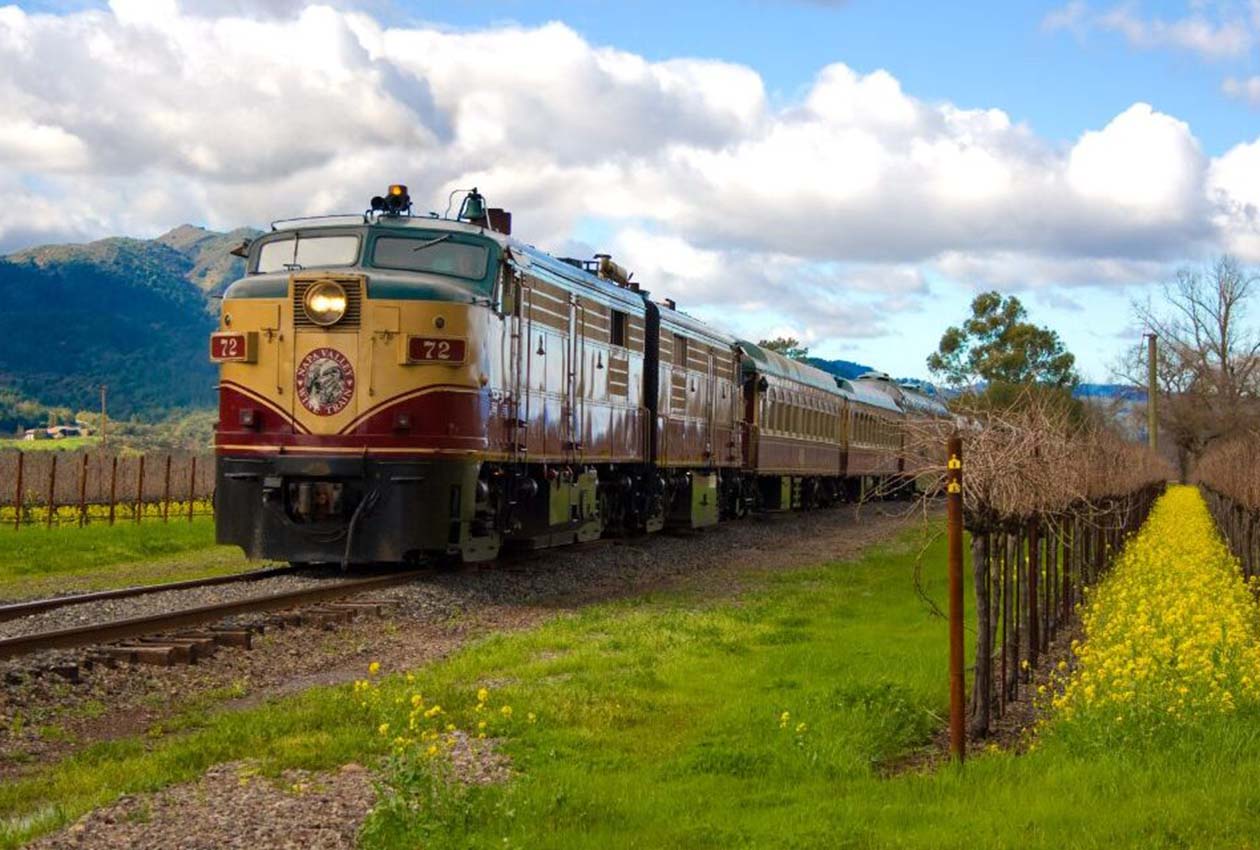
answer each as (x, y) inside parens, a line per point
(851, 172)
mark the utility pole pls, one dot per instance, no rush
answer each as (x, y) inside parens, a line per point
(104, 419)
(1152, 418)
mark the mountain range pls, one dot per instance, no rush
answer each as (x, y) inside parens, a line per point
(134, 314)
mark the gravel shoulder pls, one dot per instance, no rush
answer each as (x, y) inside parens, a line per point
(46, 718)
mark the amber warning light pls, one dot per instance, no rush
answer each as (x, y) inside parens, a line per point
(395, 202)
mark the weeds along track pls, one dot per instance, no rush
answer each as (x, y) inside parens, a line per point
(181, 619)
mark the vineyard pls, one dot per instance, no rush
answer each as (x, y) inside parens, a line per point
(1172, 634)
(92, 486)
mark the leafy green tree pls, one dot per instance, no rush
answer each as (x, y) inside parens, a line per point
(788, 346)
(998, 346)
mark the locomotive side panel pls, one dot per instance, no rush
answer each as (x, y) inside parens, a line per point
(698, 418)
(583, 401)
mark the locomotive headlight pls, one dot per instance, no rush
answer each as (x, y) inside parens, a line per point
(325, 303)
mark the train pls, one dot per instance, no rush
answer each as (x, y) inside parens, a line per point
(398, 387)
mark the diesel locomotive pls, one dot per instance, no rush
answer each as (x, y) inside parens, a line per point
(397, 386)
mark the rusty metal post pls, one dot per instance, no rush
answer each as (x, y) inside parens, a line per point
(113, 489)
(957, 688)
(140, 489)
(52, 489)
(83, 490)
(1152, 395)
(166, 490)
(192, 487)
(17, 492)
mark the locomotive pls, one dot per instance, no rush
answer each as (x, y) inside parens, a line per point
(396, 387)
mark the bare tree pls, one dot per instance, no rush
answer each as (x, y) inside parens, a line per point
(1208, 362)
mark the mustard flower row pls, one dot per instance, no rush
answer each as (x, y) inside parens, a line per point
(1172, 634)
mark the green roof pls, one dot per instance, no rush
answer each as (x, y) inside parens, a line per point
(773, 363)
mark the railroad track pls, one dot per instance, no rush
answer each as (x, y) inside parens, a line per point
(17, 610)
(156, 624)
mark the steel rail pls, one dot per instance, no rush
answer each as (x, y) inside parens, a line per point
(153, 623)
(16, 610)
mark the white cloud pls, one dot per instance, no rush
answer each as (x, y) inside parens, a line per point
(1225, 34)
(825, 214)
(1143, 164)
(1247, 89)
(1070, 16)
(1234, 181)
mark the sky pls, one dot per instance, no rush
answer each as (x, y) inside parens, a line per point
(847, 172)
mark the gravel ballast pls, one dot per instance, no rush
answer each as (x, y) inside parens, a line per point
(231, 807)
(106, 610)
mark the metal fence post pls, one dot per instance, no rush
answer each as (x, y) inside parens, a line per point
(954, 507)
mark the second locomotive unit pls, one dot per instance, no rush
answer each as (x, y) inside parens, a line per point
(395, 387)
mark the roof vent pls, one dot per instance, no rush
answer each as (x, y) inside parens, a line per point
(670, 303)
(610, 271)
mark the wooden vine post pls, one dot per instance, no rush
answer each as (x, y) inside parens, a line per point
(954, 519)
(83, 474)
(52, 490)
(17, 493)
(192, 487)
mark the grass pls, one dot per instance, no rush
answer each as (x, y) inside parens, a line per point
(66, 444)
(38, 561)
(659, 724)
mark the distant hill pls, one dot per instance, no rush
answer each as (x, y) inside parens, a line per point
(130, 313)
(842, 368)
(1124, 392)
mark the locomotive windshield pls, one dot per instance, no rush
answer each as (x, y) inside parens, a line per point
(304, 252)
(437, 254)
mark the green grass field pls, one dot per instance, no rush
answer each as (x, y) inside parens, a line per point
(659, 722)
(68, 444)
(38, 561)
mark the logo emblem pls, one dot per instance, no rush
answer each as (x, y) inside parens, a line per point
(325, 382)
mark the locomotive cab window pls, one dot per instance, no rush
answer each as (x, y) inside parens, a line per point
(680, 351)
(304, 252)
(618, 328)
(436, 254)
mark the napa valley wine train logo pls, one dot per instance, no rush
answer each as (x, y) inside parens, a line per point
(325, 381)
